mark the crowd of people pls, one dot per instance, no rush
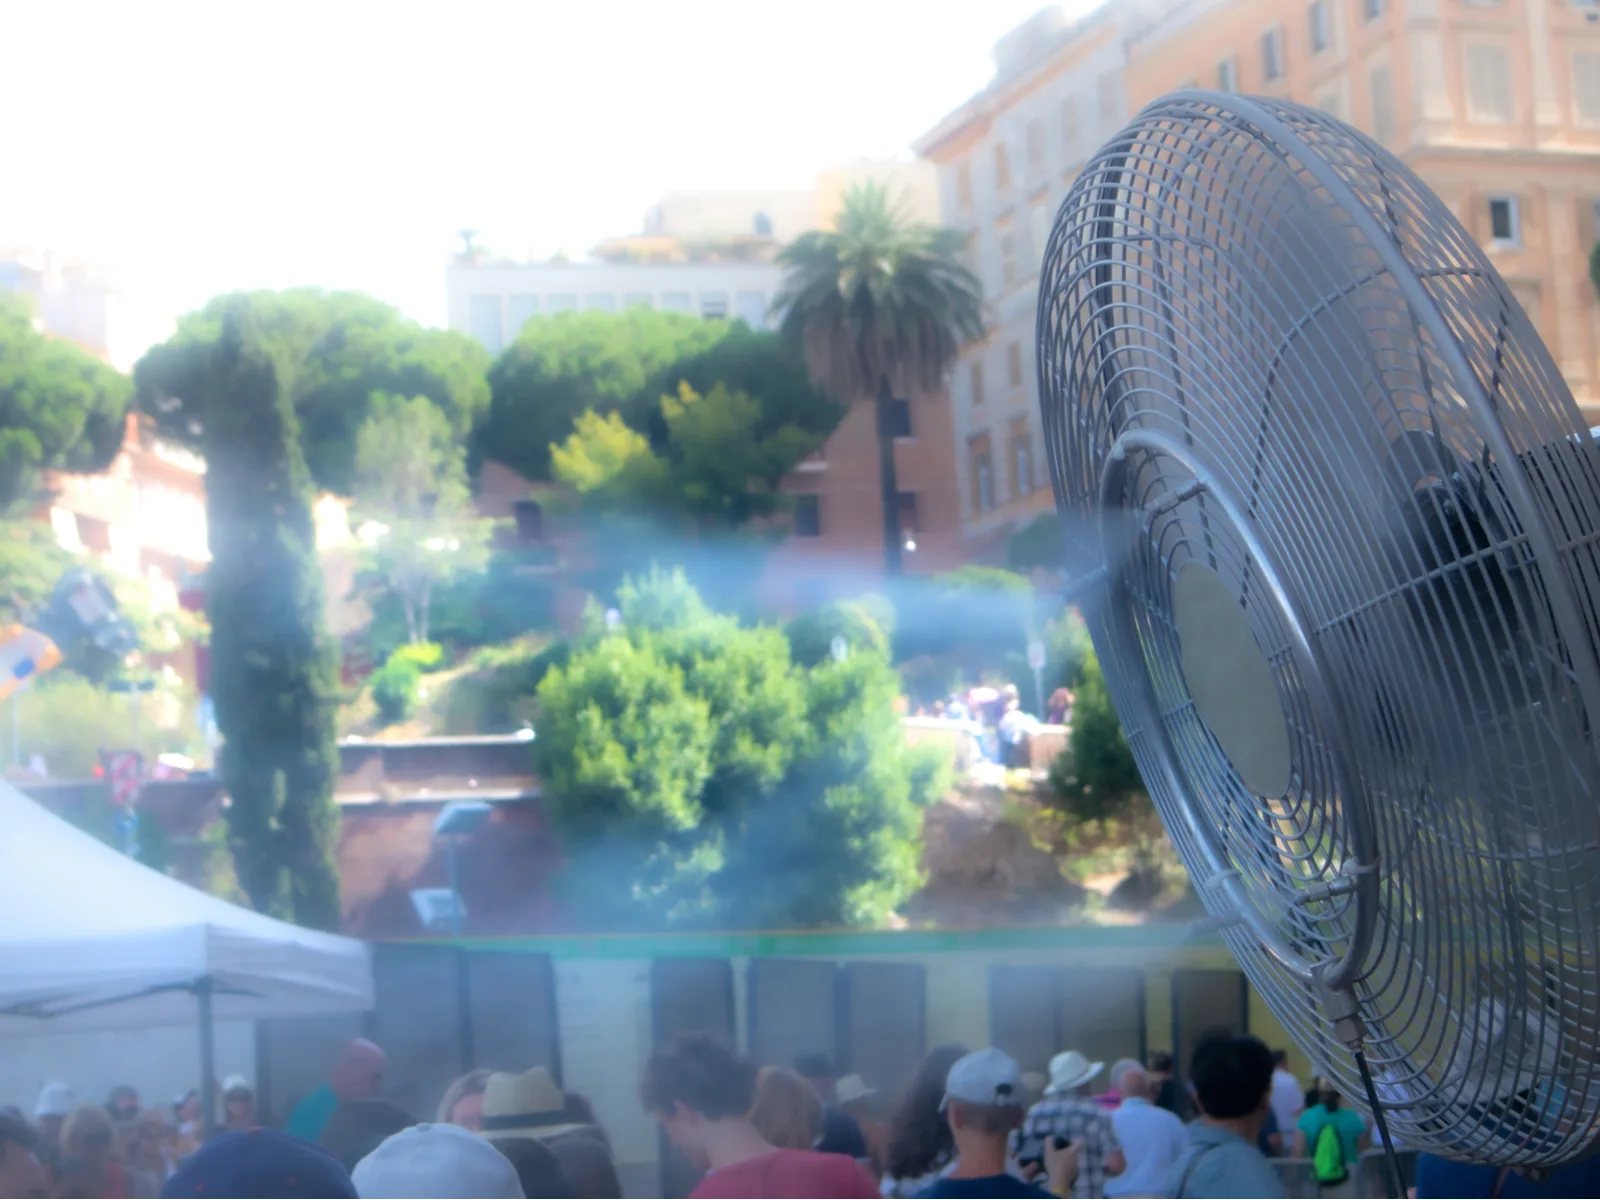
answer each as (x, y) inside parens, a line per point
(1002, 728)
(969, 1124)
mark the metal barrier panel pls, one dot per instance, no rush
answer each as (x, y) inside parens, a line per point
(793, 1009)
(885, 1026)
(1203, 1000)
(1103, 1015)
(1025, 1014)
(420, 1021)
(513, 1023)
(688, 995)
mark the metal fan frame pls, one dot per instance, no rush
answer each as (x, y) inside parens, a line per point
(1105, 584)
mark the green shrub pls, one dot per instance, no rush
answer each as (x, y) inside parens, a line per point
(495, 693)
(811, 634)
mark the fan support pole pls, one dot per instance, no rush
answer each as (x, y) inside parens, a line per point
(1339, 1005)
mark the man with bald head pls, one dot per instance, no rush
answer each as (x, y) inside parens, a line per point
(357, 1075)
(1153, 1140)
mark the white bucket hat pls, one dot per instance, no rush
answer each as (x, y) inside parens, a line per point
(852, 1088)
(1071, 1070)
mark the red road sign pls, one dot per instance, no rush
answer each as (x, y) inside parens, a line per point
(124, 768)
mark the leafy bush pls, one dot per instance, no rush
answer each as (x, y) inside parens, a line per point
(1037, 545)
(67, 721)
(811, 634)
(495, 694)
(396, 684)
(1097, 779)
(700, 777)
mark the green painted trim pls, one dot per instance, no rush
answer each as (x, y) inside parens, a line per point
(838, 943)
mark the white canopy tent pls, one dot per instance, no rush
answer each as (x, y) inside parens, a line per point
(92, 940)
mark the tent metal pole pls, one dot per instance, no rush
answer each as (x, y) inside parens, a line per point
(208, 1060)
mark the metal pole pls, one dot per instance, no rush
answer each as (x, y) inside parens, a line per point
(455, 888)
(1038, 691)
(208, 1061)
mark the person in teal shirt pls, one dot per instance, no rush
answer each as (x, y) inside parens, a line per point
(1347, 1123)
(357, 1075)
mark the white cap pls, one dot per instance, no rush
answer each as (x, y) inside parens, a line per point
(55, 1100)
(235, 1083)
(988, 1077)
(442, 1161)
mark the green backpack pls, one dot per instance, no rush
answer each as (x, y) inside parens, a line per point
(1327, 1159)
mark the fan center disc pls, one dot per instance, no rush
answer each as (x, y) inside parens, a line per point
(1230, 679)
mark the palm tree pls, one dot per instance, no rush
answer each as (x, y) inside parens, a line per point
(879, 304)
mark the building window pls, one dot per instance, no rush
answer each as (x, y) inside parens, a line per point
(763, 225)
(753, 309)
(638, 300)
(1505, 225)
(1069, 126)
(1489, 85)
(1039, 220)
(1371, 10)
(675, 301)
(530, 520)
(964, 186)
(562, 303)
(1110, 98)
(1272, 54)
(808, 516)
(521, 309)
(1228, 74)
(1035, 141)
(1002, 167)
(1021, 458)
(1328, 102)
(1008, 257)
(975, 381)
(1014, 364)
(1586, 86)
(1382, 104)
(483, 317)
(981, 471)
(908, 514)
(601, 301)
(1318, 14)
(714, 305)
(900, 419)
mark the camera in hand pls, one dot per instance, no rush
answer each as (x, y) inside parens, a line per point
(1032, 1150)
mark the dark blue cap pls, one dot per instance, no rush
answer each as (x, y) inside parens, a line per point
(255, 1163)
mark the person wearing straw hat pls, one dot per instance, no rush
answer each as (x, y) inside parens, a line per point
(852, 1094)
(529, 1105)
(1066, 1111)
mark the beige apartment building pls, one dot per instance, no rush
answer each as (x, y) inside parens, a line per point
(1494, 103)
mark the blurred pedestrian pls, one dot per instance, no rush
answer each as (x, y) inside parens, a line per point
(921, 1146)
(1067, 1111)
(786, 1110)
(588, 1166)
(1232, 1081)
(89, 1167)
(527, 1105)
(840, 1133)
(50, 1112)
(238, 1104)
(358, 1127)
(436, 1161)
(855, 1099)
(538, 1168)
(254, 1163)
(463, 1101)
(123, 1103)
(1170, 1095)
(1152, 1139)
(357, 1075)
(700, 1092)
(22, 1172)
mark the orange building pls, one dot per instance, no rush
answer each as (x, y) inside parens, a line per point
(1494, 103)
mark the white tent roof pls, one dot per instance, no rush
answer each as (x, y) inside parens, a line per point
(91, 939)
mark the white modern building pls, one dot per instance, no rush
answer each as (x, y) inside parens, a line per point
(493, 301)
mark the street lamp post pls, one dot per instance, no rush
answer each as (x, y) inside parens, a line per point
(454, 822)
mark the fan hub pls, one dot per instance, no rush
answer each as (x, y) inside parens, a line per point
(1230, 680)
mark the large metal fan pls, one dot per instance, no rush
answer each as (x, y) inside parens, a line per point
(1333, 514)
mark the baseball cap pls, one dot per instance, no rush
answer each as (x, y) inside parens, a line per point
(988, 1077)
(260, 1162)
(55, 1100)
(436, 1161)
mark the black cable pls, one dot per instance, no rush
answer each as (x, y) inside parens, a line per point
(1395, 1188)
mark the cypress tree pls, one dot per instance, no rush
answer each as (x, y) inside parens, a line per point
(274, 665)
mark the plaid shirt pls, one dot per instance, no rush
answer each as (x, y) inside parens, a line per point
(1089, 1126)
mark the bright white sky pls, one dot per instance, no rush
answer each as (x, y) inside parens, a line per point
(203, 147)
